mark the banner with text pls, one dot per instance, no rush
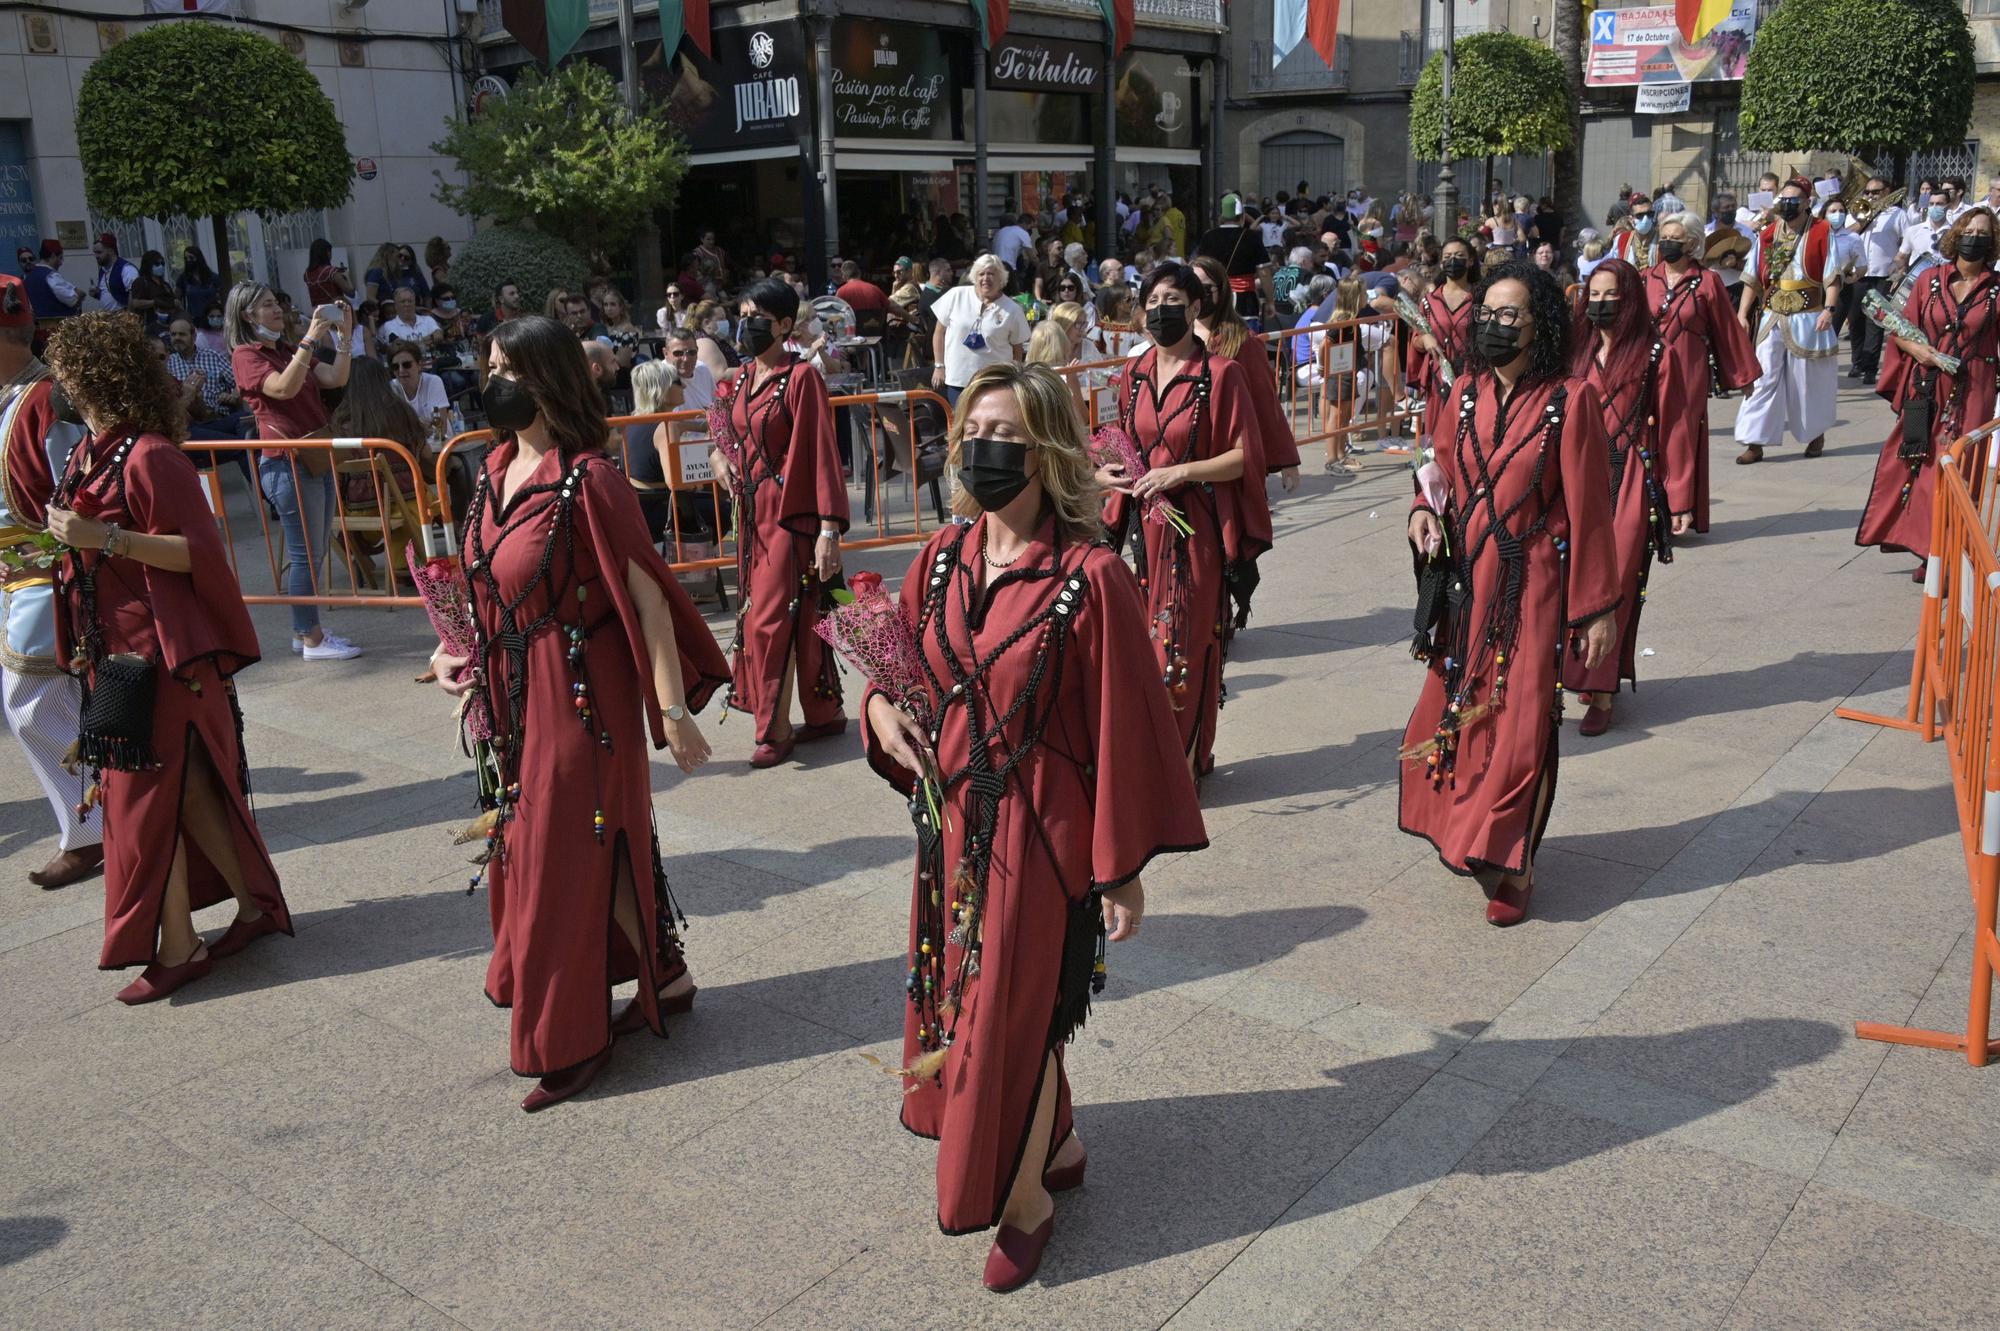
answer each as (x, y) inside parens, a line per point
(1642, 44)
(891, 81)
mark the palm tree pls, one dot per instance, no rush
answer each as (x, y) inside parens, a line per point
(1566, 33)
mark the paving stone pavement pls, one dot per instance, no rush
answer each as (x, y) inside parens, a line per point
(1320, 1091)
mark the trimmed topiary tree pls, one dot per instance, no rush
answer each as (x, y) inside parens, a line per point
(1852, 75)
(1508, 95)
(202, 119)
(537, 263)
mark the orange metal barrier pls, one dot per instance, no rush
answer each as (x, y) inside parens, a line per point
(1955, 685)
(387, 518)
(1322, 394)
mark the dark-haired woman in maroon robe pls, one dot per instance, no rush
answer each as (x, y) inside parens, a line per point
(147, 587)
(1617, 354)
(1694, 317)
(1192, 419)
(1050, 733)
(1954, 306)
(586, 644)
(1528, 561)
(791, 510)
(1448, 310)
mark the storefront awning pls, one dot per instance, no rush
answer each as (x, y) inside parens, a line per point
(744, 155)
(931, 161)
(1041, 161)
(1161, 156)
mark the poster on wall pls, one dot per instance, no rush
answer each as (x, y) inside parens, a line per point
(1642, 44)
(18, 228)
(891, 81)
(751, 95)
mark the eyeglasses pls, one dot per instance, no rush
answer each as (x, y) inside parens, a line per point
(1507, 316)
(673, 295)
(1872, 191)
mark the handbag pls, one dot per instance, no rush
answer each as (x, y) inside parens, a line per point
(1919, 412)
(1440, 592)
(117, 723)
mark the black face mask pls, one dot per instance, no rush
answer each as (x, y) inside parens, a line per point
(1454, 267)
(756, 337)
(1790, 208)
(1497, 343)
(992, 471)
(1975, 247)
(508, 406)
(1168, 324)
(1603, 313)
(1671, 251)
(64, 409)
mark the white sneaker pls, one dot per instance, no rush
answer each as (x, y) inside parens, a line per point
(298, 645)
(331, 647)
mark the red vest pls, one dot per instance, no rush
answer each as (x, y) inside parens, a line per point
(1818, 236)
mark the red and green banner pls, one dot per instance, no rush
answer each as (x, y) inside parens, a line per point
(689, 17)
(546, 28)
(992, 20)
(1118, 23)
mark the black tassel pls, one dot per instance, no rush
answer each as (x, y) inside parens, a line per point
(1082, 968)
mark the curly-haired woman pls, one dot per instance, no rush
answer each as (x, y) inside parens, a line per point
(1517, 519)
(148, 604)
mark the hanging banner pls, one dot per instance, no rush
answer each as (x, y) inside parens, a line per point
(1663, 99)
(750, 95)
(1643, 44)
(890, 81)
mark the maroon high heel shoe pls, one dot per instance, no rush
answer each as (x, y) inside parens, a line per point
(820, 730)
(560, 1086)
(241, 934)
(157, 981)
(632, 1019)
(770, 755)
(1016, 1255)
(1596, 720)
(1509, 904)
(1064, 1178)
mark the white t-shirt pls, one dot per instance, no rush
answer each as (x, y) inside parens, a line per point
(1009, 241)
(1881, 238)
(430, 397)
(961, 313)
(1920, 245)
(395, 330)
(1273, 233)
(699, 388)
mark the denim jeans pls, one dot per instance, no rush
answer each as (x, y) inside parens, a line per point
(305, 512)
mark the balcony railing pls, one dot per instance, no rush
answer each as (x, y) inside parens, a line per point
(1411, 53)
(1160, 13)
(1300, 71)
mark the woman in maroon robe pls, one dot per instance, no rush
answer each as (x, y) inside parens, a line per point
(147, 603)
(1194, 423)
(1694, 318)
(1953, 304)
(585, 644)
(1617, 354)
(1448, 310)
(1050, 736)
(1522, 561)
(791, 510)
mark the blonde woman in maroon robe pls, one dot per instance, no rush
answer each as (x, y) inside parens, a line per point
(1192, 417)
(148, 609)
(1523, 571)
(791, 510)
(1953, 303)
(1694, 318)
(1617, 354)
(585, 646)
(1051, 737)
(1448, 310)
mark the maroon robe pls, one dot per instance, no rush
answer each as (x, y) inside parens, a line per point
(792, 483)
(1898, 513)
(1421, 371)
(1274, 427)
(1695, 317)
(1631, 439)
(1269, 418)
(556, 949)
(1186, 602)
(195, 630)
(1478, 804)
(1099, 792)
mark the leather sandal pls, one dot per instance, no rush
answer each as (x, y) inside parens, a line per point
(1509, 904)
(72, 866)
(1751, 453)
(1816, 447)
(560, 1086)
(1596, 720)
(157, 981)
(770, 755)
(1017, 1255)
(242, 933)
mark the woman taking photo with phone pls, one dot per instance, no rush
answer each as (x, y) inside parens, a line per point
(280, 383)
(1051, 744)
(146, 597)
(585, 645)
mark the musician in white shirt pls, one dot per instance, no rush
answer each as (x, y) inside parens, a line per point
(1881, 238)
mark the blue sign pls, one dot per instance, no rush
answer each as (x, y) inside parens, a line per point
(17, 195)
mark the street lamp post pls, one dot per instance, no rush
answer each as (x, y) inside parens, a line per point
(1444, 196)
(646, 270)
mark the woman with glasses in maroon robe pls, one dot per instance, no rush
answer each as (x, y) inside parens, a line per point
(1191, 416)
(146, 602)
(1617, 354)
(1694, 318)
(1953, 303)
(584, 643)
(1048, 734)
(791, 510)
(1518, 562)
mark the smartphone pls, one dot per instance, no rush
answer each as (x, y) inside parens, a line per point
(328, 314)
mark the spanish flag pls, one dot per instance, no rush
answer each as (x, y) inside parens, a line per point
(1696, 18)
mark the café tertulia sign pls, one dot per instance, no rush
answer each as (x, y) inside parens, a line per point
(1044, 64)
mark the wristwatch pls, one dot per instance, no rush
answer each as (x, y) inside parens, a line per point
(676, 712)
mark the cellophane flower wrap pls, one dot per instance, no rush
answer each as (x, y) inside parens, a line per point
(1112, 447)
(722, 430)
(866, 627)
(448, 604)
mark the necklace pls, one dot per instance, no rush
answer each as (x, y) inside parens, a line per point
(991, 562)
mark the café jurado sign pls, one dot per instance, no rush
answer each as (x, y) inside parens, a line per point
(890, 81)
(749, 95)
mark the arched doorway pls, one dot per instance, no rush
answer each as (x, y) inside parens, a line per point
(1319, 159)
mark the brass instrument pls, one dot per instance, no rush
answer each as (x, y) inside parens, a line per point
(1853, 193)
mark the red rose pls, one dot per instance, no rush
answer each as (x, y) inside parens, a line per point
(865, 584)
